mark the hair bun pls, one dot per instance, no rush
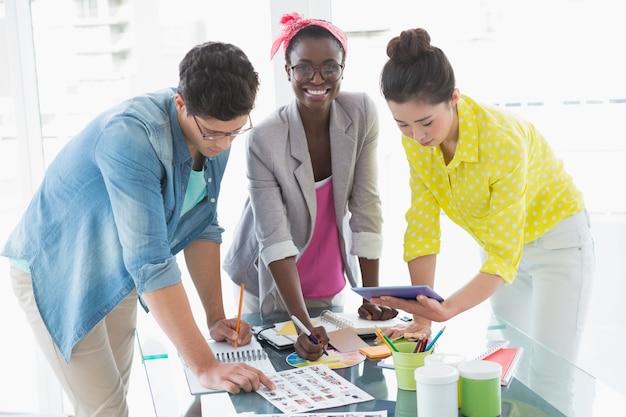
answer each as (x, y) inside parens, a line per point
(409, 45)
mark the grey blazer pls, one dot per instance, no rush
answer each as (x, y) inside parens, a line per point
(279, 214)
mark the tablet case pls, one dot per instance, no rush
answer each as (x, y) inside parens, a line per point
(408, 292)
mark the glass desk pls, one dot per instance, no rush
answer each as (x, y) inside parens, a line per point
(544, 384)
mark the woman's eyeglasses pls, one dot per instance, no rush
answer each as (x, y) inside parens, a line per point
(305, 72)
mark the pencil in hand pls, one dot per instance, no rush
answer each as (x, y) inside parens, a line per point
(238, 325)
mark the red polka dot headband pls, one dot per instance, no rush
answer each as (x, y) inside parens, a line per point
(294, 22)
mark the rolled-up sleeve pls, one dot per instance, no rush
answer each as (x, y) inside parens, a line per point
(132, 174)
(367, 245)
(213, 233)
(156, 276)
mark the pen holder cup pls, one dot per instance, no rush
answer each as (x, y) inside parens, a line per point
(406, 362)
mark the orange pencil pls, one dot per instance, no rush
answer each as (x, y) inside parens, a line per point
(239, 314)
(380, 335)
(385, 339)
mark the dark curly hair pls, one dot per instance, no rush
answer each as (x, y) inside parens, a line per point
(416, 70)
(217, 81)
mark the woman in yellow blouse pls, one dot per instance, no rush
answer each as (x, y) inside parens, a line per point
(494, 175)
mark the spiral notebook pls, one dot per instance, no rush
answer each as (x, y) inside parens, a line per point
(508, 358)
(252, 354)
(491, 347)
(340, 320)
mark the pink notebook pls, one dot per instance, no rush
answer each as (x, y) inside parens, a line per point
(509, 358)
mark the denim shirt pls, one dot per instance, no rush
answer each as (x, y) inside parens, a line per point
(107, 216)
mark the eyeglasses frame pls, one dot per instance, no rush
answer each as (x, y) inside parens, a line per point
(316, 69)
(221, 135)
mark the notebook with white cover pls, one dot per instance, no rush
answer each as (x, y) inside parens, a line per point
(332, 320)
(252, 354)
(491, 347)
(360, 325)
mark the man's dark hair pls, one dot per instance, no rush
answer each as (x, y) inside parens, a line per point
(217, 81)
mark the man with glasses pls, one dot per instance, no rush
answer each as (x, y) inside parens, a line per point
(313, 221)
(220, 135)
(136, 186)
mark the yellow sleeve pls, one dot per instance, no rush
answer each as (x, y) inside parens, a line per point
(423, 232)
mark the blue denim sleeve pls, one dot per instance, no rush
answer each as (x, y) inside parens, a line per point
(136, 182)
(213, 233)
(156, 276)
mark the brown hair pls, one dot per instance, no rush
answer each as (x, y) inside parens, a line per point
(416, 70)
(218, 81)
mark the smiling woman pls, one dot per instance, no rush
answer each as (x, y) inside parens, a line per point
(312, 174)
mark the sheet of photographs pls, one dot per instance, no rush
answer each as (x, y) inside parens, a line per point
(302, 390)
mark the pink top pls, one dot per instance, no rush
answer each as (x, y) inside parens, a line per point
(320, 266)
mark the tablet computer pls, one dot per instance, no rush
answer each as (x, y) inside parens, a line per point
(408, 292)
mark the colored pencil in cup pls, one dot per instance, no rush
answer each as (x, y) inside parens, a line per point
(386, 340)
(432, 343)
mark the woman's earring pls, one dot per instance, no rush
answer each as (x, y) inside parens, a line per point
(289, 79)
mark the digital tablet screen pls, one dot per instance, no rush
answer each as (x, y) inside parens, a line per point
(408, 292)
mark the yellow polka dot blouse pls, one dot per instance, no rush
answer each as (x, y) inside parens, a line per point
(504, 186)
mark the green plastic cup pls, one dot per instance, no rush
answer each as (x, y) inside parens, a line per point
(406, 362)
